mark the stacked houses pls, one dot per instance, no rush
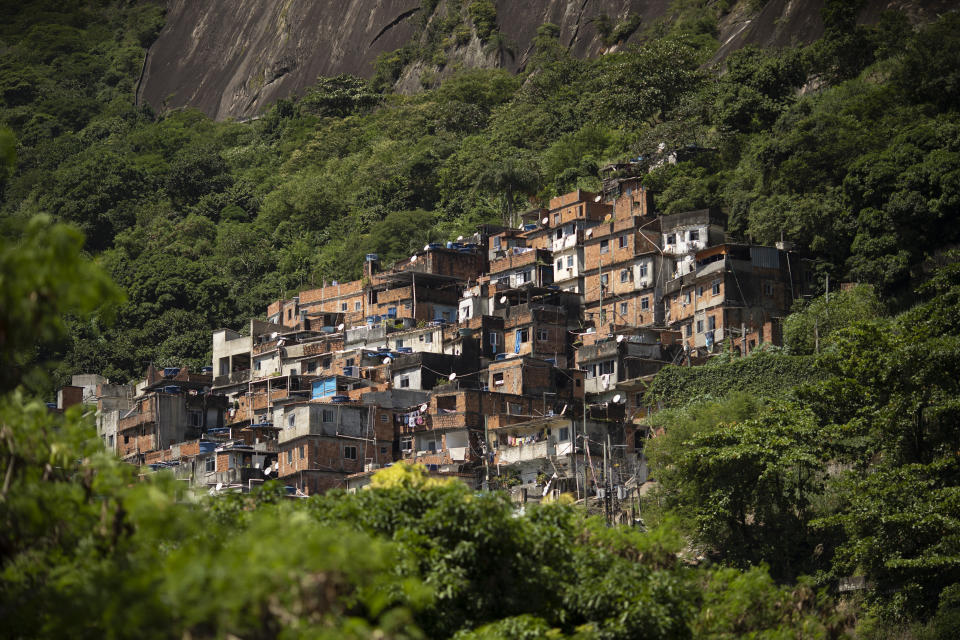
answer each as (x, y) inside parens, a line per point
(517, 357)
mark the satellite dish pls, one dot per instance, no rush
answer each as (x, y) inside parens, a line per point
(597, 199)
(589, 232)
(620, 338)
(423, 407)
(520, 227)
(545, 221)
(386, 360)
(413, 258)
(426, 247)
(267, 471)
(503, 299)
(219, 486)
(616, 398)
(607, 218)
(459, 238)
(340, 326)
(452, 377)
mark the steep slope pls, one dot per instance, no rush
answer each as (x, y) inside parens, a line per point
(231, 58)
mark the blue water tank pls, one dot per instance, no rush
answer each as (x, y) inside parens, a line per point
(339, 399)
(171, 389)
(169, 372)
(372, 257)
(207, 370)
(404, 349)
(501, 356)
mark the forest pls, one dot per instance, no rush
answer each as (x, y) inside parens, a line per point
(128, 234)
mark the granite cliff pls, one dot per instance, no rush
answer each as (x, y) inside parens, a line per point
(231, 59)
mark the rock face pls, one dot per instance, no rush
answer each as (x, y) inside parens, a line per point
(232, 58)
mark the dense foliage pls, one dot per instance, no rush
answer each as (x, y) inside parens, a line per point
(851, 472)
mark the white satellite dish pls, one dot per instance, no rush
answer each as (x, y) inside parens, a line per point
(616, 399)
(452, 377)
(340, 326)
(503, 299)
(267, 471)
(423, 407)
(620, 338)
(459, 238)
(386, 360)
(597, 199)
(413, 258)
(426, 247)
(219, 486)
(589, 232)
(545, 221)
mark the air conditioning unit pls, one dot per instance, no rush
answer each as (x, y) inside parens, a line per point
(643, 284)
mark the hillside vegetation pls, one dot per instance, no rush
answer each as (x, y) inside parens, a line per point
(779, 476)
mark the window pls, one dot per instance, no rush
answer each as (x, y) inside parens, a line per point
(292, 420)
(496, 242)
(302, 452)
(671, 239)
(404, 382)
(427, 338)
(257, 364)
(326, 363)
(383, 451)
(384, 417)
(559, 234)
(357, 305)
(523, 335)
(645, 303)
(400, 344)
(431, 445)
(498, 379)
(556, 218)
(311, 366)
(543, 335)
(559, 264)
(700, 291)
(514, 408)
(569, 262)
(289, 313)
(699, 326)
(406, 444)
(625, 275)
(328, 415)
(195, 417)
(494, 339)
(606, 367)
(211, 465)
(343, 306)
(524, 277)
(604, 279)
(693, 234)
(643, 270)
(350, 452)
(604, 246)
(289, 456)
(564, 434)
(686, 298)
(711, 323)
(349, 362)
(716, 288)
(768, 288)
(621, 242)
(688, 330)
(623, 308)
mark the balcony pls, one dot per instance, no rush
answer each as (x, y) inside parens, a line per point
(525, 452)
(237, 377)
